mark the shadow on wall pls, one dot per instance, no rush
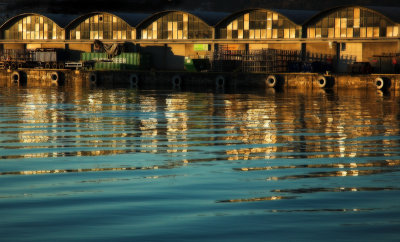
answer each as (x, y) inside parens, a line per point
(74, 55)
(163, 58)
(344, 62)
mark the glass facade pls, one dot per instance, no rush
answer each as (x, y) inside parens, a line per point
(102, 26)
(260, 24)
(34, 27)
(177, 25)
(353, 23)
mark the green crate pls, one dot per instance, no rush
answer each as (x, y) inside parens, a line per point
(93, 56)
(108, 66)
(124, 61)
(127, 58)
(189, 66)
(196, 65)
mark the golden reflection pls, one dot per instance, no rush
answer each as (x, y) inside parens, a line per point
(308, 125)
(342, 210)
(40, 172)
(51, 121)
(387, 163)
(338, 189)
(222, 127)
(159, 177)
(257, 199)
(255, 126)
(39, 117)
(177, 123)
(291, 124)
(148, 125)
(335, 174)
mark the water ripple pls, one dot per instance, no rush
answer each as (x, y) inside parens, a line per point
(140, 165)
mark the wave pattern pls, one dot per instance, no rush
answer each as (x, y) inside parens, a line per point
(151, 164)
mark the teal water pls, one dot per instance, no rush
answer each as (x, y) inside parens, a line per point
(159, 165)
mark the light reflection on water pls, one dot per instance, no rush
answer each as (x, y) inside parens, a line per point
(166, 165)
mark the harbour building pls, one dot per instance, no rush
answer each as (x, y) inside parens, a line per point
(357, 32)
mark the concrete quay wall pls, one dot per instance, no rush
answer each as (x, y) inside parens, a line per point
(170, 79)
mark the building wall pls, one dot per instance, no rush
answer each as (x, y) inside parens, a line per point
(231, 46)
(353, 50)
(13, 46)
(358, 51)
(198, 50)
(258, 46)
(80, 47)
(348, 52)
(326, 47)
(164, 56)
(285, 46)
(54, 45)
(371, 49)
(278, 46)
(178, 49)
(171, 56)
(33, 46)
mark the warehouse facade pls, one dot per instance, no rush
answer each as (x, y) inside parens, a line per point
(170, 36)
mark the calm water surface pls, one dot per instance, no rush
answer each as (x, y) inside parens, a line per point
(142, 165)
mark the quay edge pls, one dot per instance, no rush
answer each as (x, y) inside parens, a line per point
(166, 79)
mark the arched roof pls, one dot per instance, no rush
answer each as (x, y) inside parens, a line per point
(390, 13)
(393, 13)
(210, 18)
(297, 17)
(132, 19)
(60, 19)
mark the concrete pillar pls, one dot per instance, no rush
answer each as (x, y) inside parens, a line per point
(303, 51)
(336, 47)
(216, 47)
(165, 50)
(398, 46)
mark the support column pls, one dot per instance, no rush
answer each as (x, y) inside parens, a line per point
(303, 51)
(336, 47)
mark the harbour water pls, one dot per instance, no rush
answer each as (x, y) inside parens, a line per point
(92, 164)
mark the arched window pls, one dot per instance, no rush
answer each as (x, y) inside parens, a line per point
(260, 24)
(102, 26)
(33, 27)
(177, 25)
(352, 22)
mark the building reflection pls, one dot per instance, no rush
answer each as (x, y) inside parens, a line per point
(176, 114)
(251, 121)
(289, 124)
(308, 125)
(39, 120)
(148, 124)
(283, 137)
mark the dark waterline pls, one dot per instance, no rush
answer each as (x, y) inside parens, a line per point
(155, 165)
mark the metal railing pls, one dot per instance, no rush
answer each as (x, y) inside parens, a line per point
(274, 60)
